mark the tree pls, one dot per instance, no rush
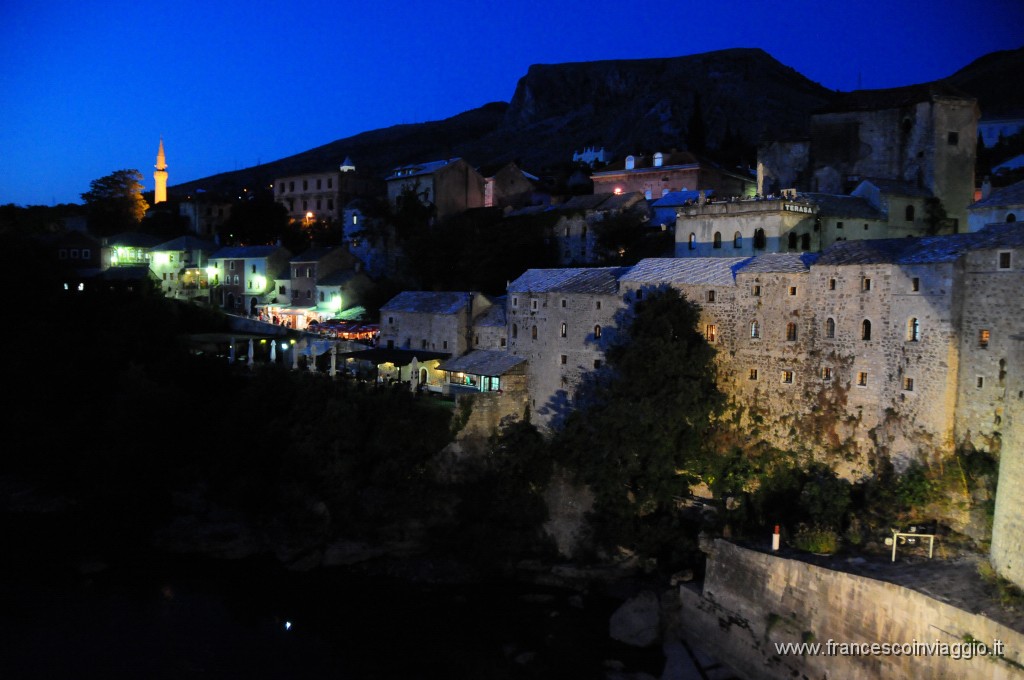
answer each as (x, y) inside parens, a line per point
(115, 203)
(639, 443)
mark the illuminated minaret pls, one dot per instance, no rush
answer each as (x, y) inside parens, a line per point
(160, 176)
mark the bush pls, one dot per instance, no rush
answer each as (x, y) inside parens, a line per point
(816, 539)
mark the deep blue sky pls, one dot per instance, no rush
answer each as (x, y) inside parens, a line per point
(87, 88)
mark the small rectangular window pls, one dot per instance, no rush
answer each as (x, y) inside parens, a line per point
(503, 342)
(533, 305)
(826, 373)
(953, 138)
(755, 291)
(792, 290)
(839, 225)
(564, 359)
(983, 337)
(915, 284)
(865, 283)
(787, 377)
(908, 384)
(445, 344)
(564, 302)
(981, 382)
(831, 284)
(597, 363)
(711, 296)
(711, 332)
(639, 294)
(597, 305)
(1004, 260)
(862, 379)
(753, 374)
(515, 302)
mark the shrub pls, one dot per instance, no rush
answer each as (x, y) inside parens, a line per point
(816, 539)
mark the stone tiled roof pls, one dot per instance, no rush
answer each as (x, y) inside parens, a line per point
(832, 205)
(493, 315)
(598, 280)
(183, 243)
(243, 252)
(689, 270)
(419, 169)
(923, 250)
(783, 263)
(1011, 195)
(313, 255)
(674, 198)
(337, 278)
(898, 187)
(133, 239)
(483, 362)
(891, 98)
(428, 302)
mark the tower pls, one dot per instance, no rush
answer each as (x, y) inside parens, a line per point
(160, 176)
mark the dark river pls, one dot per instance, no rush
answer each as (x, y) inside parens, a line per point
(171, 617)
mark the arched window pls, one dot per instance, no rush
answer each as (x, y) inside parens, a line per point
(759, 240)
(755, 329)
(737, 240)
(693, 241)
(913, 330)
(597, 332)
(565, 328)
(865, 330)
(718, 240)
(1010, 217)
(791, 331)
(630, 162)
(909, 213)
(830, 328)
(533, 333)
(659, 159)
(805, 242)
(648, 194)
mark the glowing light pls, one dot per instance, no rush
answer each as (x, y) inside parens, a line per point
(618, 191)
(81, 286)
(336, 301)
(287, 625)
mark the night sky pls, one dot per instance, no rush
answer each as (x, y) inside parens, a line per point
(88, 88)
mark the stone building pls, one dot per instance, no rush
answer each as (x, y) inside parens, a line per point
(574, 233)
(322, 196)
(242, 276)
(180, 265)
(925, 135)
(1000, 205)
(561, 321)
(509, 186)
(661, 173)
(451, 186)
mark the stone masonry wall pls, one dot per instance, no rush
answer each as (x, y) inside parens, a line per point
(753, 600)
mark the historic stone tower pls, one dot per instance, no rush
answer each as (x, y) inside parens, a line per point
(160, 176)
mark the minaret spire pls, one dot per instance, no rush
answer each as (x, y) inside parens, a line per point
(160, 176)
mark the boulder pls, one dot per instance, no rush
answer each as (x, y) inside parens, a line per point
(638, 621)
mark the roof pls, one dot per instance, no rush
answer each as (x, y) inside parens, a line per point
(781, 263)
(596, 280)
(926, 249)
(494, 315)
(428, 302)
(1011, 195)
(133, 239)
(398, 357)
(891, 98)
(898, 187)
(244, 252)
(419, 169)
(337, 278)
(676, 198)
(690, 270)
(483, 362)
(184, 243)
(670, 160)
(833, 205)
(313, 254)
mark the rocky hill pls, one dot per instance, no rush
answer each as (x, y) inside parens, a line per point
(625, 106)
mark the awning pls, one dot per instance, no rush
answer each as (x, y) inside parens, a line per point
(486, 362)
(398, 357)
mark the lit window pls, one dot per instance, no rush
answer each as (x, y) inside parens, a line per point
(564, 330)
(865, 284)
(983, 337)
(830, 328)
(791, 332)
(752, 375)
(787, 377)
(755, 291)
(913, 330)
(711, 332)
(862, 379)
(826, 373)
(755, 330)
(597, 332)
(792, 290)
(693, 241)
(908, 384)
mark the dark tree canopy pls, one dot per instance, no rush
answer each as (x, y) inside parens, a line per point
(640, 442)
(115, 202)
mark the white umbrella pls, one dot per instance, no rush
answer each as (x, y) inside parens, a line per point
(414, 373)
(295, 357)
(273, 350)
(252, 353)
(231, 352)
(334, 360)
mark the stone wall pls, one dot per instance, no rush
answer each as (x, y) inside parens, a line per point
(752, 600)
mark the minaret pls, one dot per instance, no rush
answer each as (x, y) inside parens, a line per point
(160, 176)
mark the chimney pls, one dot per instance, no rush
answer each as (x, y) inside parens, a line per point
(986, 187)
